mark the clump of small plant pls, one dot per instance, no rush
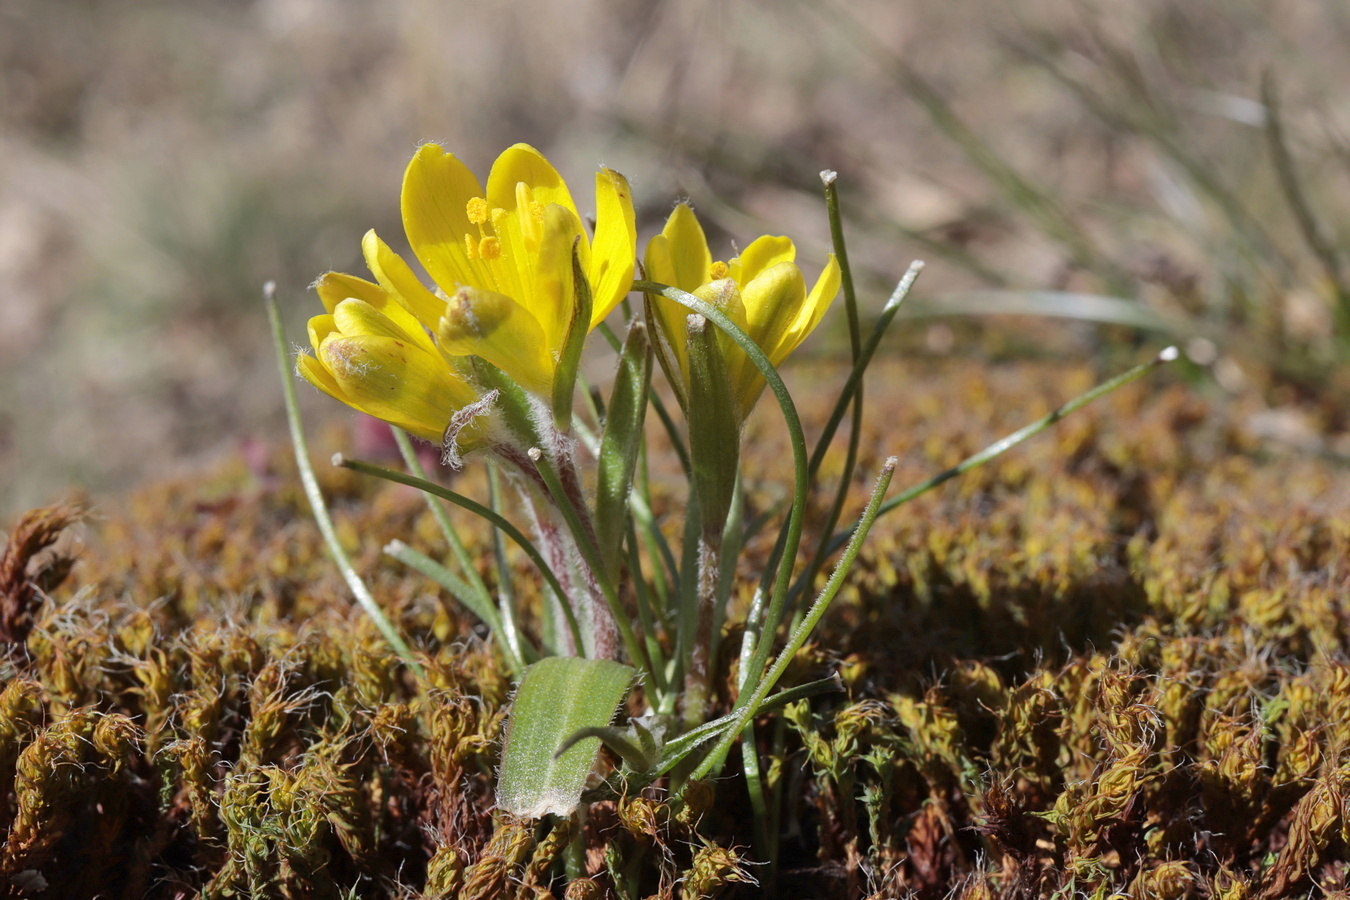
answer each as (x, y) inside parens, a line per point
(486, 365)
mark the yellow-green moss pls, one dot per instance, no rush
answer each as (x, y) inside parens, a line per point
(1111, 662)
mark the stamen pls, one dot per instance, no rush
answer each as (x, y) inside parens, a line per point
(490, 248)
(719, 271)
(470, 246)
(477, 210)
(537, 210)
(498, 219)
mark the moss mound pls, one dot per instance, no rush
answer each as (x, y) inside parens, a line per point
(1114, 662)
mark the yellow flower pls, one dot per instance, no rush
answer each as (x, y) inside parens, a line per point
(762, 291)
(371, 354)
(502, 263)
(503, 257)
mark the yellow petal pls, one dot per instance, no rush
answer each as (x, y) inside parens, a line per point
(395, 381)
(553, 298)
(772, 302)
(725, 294)
(813, 310)
(395, 277)
(614, 250)
(437, 188)
(762, 253)
(501, 331)
(334, 287)
(319, 328)
(357, 317)
(690, 260)
(524, 164)
(679, 257)
(314, 372)
(670, 316)
(658, 262)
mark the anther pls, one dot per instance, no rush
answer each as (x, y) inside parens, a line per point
(719, 270)
(477, 210)
(490, 248)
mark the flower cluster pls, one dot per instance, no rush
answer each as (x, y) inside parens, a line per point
(505, 262)
(487, 360)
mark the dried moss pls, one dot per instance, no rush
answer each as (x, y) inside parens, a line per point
(1114, 662)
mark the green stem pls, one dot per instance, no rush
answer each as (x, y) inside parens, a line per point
(573, 512)
(506, 601)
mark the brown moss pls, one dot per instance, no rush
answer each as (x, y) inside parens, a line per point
(1115, 661)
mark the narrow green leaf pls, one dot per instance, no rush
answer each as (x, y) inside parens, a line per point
(621, 442)
(558, 697)
(565, 378)
(790, 537)
(489, 515)
(634, 755)
(316, 501)
(465, 595)
(750, 703)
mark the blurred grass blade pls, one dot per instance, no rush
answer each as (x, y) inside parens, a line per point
(558, 697)
(1052, 304)
(1168, 354)
(1323, 248)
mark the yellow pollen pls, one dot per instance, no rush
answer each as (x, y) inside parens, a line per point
(477, 210)
(719, 270)
(490, 248)
(537, 210)
(470, 246)
(498, 219)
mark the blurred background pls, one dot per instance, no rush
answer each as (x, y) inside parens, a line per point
(1113, 176)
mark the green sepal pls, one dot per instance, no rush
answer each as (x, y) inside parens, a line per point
(569, 361)
(621, 443)
(714, 426)
(516, 405)
(558, 697)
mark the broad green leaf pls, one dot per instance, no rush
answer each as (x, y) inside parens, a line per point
(558, 697)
